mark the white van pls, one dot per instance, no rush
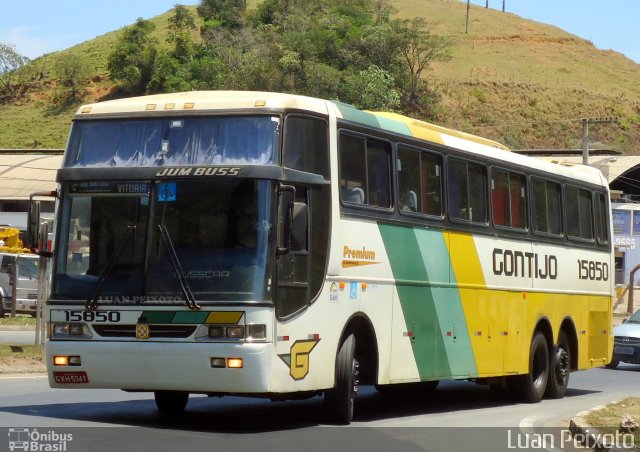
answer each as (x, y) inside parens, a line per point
(27, 288)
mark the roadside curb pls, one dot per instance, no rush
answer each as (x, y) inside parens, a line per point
(23, 376)
(587, 435)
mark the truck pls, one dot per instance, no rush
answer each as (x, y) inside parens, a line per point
(17, 266)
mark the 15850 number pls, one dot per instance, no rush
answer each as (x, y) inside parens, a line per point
(92, 316)
(592, 270)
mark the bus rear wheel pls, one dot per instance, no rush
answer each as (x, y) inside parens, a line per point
(171, 402)
(531, 387)
(613, 364)
(559, 368)
(339, 401)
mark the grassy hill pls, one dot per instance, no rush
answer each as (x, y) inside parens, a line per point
(517, 81)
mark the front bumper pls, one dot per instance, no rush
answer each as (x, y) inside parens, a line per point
(626, 350)
(150, 366)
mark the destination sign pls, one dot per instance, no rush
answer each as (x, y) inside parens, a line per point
(116, 187)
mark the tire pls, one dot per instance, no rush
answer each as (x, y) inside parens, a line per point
(171, 402)
(339, 401)
(2, 298)
(559, 368)
(532, 386)
(613, 364)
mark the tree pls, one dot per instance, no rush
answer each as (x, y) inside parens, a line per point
(180, 26)
(72, 72)
(419, 48)
(229, 13)
(347, 49)
(10, 63)
(372, 89)
(132, 61)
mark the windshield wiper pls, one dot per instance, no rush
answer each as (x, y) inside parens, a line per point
(177, 269)
(92, 302)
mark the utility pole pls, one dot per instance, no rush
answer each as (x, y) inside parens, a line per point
(466, 29)
(585, 134)
(486, 5)
(503, 5)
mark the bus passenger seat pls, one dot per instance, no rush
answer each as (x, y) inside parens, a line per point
(412, 201)
(354, 195)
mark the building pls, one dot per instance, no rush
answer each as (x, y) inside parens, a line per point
(23, 172)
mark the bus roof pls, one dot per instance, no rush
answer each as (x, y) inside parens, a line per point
(193, 101)
(204, 100)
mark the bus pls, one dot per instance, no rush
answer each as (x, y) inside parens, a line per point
(626, 229)
(281, 246)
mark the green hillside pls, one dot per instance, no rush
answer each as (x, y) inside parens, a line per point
(520, 82)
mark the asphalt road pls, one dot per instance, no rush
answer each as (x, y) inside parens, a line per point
(458, 416)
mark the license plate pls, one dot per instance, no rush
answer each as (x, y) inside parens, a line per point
(621, 350)
(70, 377)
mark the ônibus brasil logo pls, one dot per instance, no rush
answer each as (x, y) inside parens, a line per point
(30, 439)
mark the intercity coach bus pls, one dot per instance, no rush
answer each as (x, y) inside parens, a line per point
(281, 246)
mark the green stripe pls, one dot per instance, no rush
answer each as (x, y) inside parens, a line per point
(190, 317)
(418, 305)
(393, 125)
(441, 344)
(448, 304)
(154, 317)
(350, 113)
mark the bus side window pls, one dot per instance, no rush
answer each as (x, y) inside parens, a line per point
(306, 144)
(467, 191)
(578, 213)
(508, 197)
(431, 170)
(409, 179)
(364, 171)
(300, 227)
(353, 178)
(419, 181)
(547, 212)
(601, 219)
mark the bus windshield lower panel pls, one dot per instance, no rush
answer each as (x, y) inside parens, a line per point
(111, 248)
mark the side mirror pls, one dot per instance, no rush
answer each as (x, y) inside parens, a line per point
(286, 196)
(33, 225)
(33, 237)
(624, 320)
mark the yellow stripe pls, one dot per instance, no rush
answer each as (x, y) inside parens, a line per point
(465, 260)
(433, 132)
(225, 317)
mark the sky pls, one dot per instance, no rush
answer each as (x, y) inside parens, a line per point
(36, 27)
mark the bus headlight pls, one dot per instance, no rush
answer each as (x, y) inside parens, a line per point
(249, 333)
(235, 332)
(256, 332)
(69, 331)
(216, 331)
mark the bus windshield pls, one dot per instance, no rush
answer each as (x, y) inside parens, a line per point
(111, 243)
(236, 140)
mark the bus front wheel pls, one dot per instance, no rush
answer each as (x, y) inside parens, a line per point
(339, 401)
(531, 387)
(171, 402)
